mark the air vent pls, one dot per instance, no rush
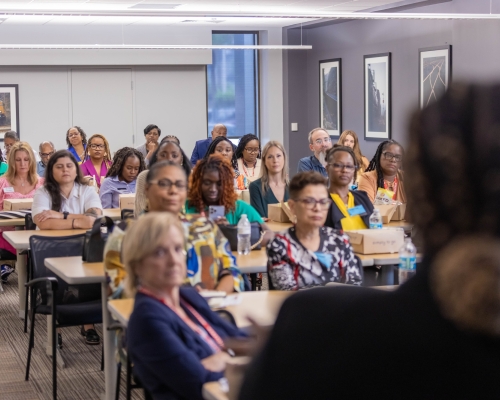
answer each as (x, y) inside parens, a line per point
(148, 6)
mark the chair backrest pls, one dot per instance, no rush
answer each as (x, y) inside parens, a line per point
(43, 247)
(28, 222)
(127, 214)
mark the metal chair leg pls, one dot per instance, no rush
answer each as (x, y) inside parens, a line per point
(31, 344)
(129, 378)
(54, 352)
(118, 381)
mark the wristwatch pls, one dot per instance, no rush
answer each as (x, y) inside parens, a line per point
(65, 213)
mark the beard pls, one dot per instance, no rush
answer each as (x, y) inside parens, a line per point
(322, 157)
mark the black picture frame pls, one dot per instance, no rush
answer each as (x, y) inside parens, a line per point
(377, 100)
(434, 73)
(9, 109)
(330, 103)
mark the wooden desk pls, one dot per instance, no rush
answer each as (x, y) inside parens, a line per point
(12, 222)
(114, 213)
(278, 226)
(252, 263)
(20, 240)
(213, 391)
(389, 258)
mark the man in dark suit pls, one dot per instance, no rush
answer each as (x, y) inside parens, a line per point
(201, 147)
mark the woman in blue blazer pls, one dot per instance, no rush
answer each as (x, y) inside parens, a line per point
(175, 341)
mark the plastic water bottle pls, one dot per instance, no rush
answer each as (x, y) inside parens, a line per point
(407, 261)
(244, 235)
(376, 219)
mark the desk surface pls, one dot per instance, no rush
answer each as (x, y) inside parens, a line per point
(254, 262)
(213, 391)
(278, 226)
(20, 240)
(74, 271)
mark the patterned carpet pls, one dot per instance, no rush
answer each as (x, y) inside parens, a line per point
(81, 378)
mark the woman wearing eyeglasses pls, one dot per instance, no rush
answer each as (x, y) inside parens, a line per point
(385, 172)
(310, 254)
(98, 160)
(350, 209)
(248, 157)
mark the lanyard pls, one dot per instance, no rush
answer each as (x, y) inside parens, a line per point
(394, 187)
(211, 337)
(340, 204)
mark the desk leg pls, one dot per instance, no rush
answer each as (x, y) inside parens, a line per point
(22, 273)
(109, 347)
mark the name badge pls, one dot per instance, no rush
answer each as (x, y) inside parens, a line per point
(358, 210)
(8, 190)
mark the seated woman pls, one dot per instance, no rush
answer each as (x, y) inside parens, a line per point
(223, 146)
(211, 184)
(248, 157)
(19, 182)
(350, 139)
(310, 254)
(77, 142)
(272, 186)
(121, 177)
(97, 160)
(3, 165)
(66, 202)
(168, 150)
(385, 172)
(175, 341)
(210, 262)
(350, 209)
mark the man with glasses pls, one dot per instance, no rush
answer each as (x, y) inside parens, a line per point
(201, 147)
(46, 150)
(319, 143)
(9, 138)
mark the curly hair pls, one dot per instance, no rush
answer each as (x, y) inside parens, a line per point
(213, 145)
(243, 143)
(375, 162)
(228, 196)
(107, 155)
(348, 150)
(120, 159)
(82, 134)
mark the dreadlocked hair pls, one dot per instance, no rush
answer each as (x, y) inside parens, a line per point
(220, 164)
(243, 143)
(120, 159)
(107, 151)
(375, 162)
(345, 149)
(213, 145)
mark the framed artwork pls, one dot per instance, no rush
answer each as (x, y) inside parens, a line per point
(9, 109)
(377, 80)
(330, 98)
(434, 73)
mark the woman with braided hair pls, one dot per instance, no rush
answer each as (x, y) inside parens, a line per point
(384, 171)
(97, 158)
(121, 178)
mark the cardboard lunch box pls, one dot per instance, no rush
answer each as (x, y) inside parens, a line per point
(391, 212)
(376, 241)
(17, 204)
(244, 195)
(279, 212)
(127, 201)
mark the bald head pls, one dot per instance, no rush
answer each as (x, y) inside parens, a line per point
(219, 130)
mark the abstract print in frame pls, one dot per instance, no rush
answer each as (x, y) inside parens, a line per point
(434, 73)
(377, 83)
(330, 89)
(9, 109)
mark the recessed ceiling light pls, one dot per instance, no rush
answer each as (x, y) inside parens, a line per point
(149, 6)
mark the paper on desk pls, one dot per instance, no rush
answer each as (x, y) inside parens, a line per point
(231, 300)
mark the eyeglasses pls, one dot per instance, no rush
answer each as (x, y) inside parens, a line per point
(252, 150)
(8, 146)
(97, 146)
(310, 203)
(340, 167)
(46, 154)
(325, 140)
(390, 156)
(167, 184)
(74, 134)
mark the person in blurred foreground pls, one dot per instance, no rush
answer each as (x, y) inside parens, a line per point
(438, 335)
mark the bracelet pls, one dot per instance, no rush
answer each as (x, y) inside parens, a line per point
(73, 224)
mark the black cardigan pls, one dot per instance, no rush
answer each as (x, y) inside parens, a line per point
(360, 198)
(359, 343)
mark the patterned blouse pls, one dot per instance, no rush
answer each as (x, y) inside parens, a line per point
(291, 266)
(209, 257)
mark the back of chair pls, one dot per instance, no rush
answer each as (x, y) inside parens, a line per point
(43, 247)
(28, 222)
(127, 214)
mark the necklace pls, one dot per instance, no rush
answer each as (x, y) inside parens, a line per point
(22, 182)
(245, 166)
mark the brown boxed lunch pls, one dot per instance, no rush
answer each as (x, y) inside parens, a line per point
(387, 211)
(376, 241)
(276, 213)
(17, 204)
(127, 201)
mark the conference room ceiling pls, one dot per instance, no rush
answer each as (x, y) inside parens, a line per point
(221, 13)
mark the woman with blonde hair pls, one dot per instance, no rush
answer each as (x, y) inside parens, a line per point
(272, 186)
(19, 182)
(349, 138)
(97, 158)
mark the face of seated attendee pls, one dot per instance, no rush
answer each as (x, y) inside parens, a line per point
(75, 137)
(225, 149)
(341, 170)
(320, 142)
(391, 160)
(349, 141)
(166, 187)
(46, 151)
(64, 171)
(169, 151)
(130, 169)
(274, 160)
(219, 130)
(97, 149)
(152, 135)
(8, 142)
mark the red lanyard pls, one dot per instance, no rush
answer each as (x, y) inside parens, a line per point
(211, 337)
(394, 187)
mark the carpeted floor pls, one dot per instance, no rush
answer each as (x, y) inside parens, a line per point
(82, 377)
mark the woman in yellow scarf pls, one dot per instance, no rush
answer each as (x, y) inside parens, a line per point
(349, 210)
